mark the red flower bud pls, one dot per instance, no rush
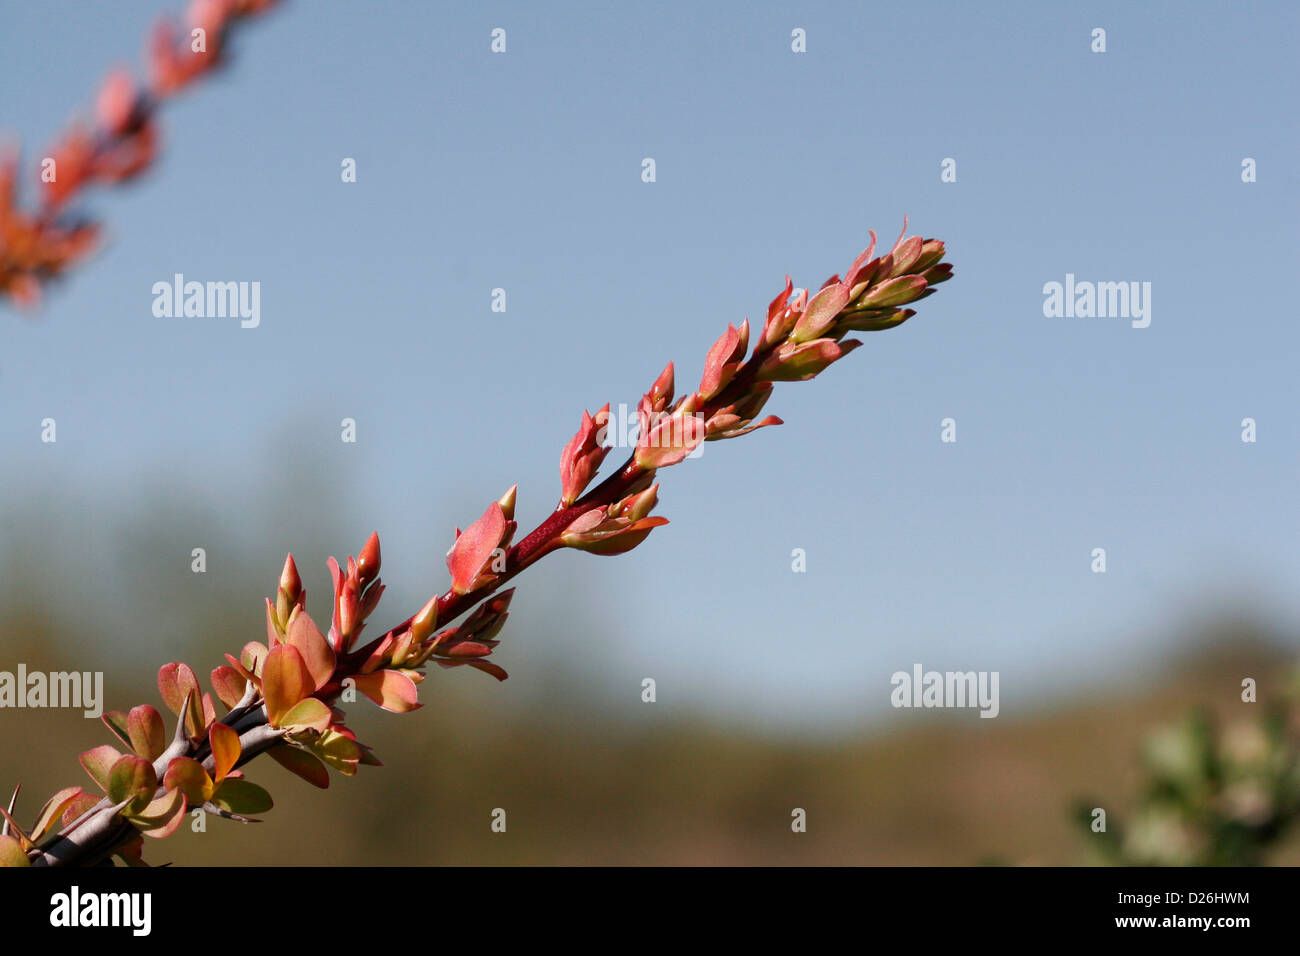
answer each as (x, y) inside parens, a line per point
(582, 456)
(660, 394)
(290, 582)
(797, 363)
(636, 506)
(724, 359)
(348, 617)
(368, 561)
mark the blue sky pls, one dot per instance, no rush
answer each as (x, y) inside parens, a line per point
(522, 171)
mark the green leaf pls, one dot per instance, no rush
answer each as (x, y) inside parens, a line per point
(115, 721)
(301, 763)
(309, 713)
(338, 751)
(132, 778)
(238, 795)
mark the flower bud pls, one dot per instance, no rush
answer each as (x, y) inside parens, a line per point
(797, 363)
(582, 456)
(424, 622)
(636, 506)
(724, 359)
(368, 561)
(904, 256)
(348, 607)
(660, 394)
(897, 291)
(507, 502)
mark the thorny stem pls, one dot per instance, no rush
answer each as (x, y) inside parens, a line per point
(100, 832)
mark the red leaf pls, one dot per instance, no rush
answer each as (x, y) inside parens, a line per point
(229, 684)
(310, 642)
(670, 441)
(473, 549)
(722, 352)
(79, 805)
(145, 727)
(779, 303)
(174, 680)
(487, 667)
(467, 649)
(820, 314)
(162, 817)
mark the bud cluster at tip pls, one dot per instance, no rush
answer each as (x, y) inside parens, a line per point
(801, 338)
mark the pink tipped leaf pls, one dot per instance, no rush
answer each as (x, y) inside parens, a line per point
(470, 555)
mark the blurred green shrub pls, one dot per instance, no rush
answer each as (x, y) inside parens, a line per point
(1214, 793)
